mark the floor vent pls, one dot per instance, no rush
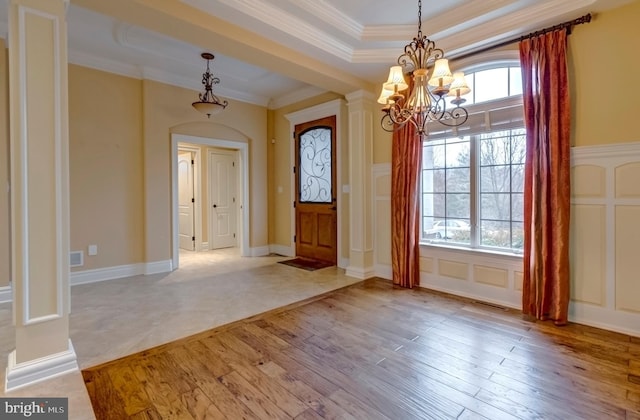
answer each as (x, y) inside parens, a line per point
(76, 259)
(492, 305)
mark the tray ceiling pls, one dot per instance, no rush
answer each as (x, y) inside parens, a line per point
(274, 52)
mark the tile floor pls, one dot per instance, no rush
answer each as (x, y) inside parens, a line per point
(115, 318)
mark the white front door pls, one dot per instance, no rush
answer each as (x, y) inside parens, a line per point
(223, 199)
(186, 231)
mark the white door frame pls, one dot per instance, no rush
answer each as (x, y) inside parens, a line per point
(311, 114)
(243, 182)
(197, 208)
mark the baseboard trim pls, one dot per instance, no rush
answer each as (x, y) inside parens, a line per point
(107, 273)
(204, 246)
(119, 271)
(360, 273)
(157, 267)
(285, 251)
(6, 295)
(607, 319)
(23, 374)
(579, 313)
(384, 271)
(259, 251)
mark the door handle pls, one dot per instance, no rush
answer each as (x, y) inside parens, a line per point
(215, 205)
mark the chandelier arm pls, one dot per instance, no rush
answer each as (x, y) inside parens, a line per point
(456, 117)
(387, 123)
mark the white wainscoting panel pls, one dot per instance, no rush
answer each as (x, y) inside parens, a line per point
(605, 222)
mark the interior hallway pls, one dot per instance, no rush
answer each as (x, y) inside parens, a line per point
(116, 318)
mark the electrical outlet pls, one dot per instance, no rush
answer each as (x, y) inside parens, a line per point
(93, 250)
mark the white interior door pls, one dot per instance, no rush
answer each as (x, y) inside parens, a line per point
(223, 193)
(186, 229)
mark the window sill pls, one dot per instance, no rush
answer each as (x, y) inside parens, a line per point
(471, 251)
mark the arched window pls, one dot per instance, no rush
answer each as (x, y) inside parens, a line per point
(473, 176)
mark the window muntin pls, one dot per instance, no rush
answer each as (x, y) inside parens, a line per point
(492, 84)
(473, 178)
(501, 180)
(446, 189)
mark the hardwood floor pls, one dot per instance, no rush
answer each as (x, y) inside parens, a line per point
(372, 351)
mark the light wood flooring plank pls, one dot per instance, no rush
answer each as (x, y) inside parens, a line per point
(375, 351)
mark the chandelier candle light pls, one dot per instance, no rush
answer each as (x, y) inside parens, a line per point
(427, 99)
(209, 104)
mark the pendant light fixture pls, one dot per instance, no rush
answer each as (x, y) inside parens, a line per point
(209, 104)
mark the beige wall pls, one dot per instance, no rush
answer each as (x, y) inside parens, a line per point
(5, 239)
(604, 67)
(167, 109)
(121, 170)
(106, 167)
(381, 143)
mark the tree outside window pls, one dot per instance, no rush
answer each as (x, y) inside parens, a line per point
(472, 185)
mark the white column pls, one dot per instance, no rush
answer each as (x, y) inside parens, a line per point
(361, 256)
(38, 112)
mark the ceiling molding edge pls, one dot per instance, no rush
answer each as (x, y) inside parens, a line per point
(296, 96)
(120, 31)
(135, 72)
(334, 17)
(104, 64)
(173, 79)
(389, 32)
(506, 27)
(149, 42)
(376, 56)
(291, 26)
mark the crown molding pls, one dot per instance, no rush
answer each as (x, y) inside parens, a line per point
(283, 21)
(389, 32)
(333, 16)
(151, 73)
(505, 27)
(295, 96)
(444, 21)
(104, 64)
(148, 42)
(376, 56)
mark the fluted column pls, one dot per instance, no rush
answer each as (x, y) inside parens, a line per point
(39, 142)
(361, 109)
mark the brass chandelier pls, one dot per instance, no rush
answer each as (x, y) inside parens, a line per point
(209, 104)
(431, 83)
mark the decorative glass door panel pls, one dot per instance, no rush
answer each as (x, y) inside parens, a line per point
(315, 166)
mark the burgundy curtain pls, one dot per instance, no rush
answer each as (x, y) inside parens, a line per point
(547, 177)
(406, 162)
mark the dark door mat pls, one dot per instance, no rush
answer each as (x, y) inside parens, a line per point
(307, 264)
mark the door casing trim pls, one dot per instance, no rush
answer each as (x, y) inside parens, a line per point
(243, 152)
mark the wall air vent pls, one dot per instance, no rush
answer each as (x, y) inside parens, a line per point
(76, 258)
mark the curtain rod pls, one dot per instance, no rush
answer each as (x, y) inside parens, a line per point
(565, 25)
